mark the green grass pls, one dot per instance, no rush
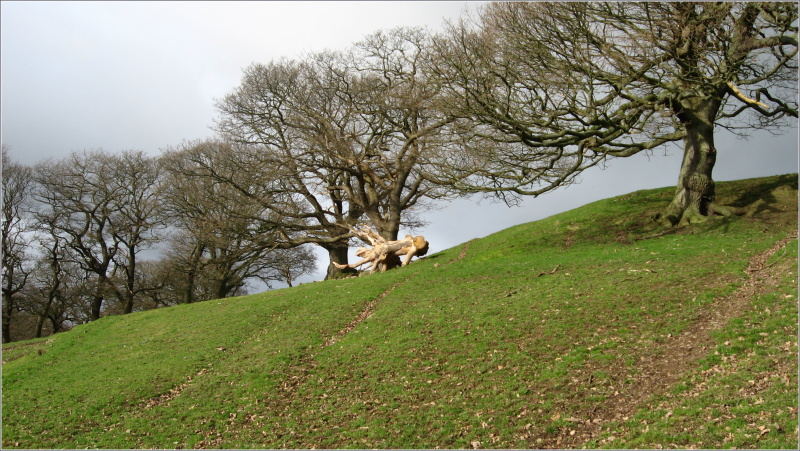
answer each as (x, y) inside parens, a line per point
(743, 395)
(494, 349)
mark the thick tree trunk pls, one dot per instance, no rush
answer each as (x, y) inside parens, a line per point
(96, 307)
(45, 314)
(694, 194)
(188, 294)
(8, 306)
(391, 230)
(221, 291)
(227, 285)
(128, 303)
(39, 326)
(337, 253)
(96, 304)
(55, 325)
(695, 190)
(191, 275)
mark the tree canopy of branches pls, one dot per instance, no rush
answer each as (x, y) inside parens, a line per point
(17, 183)
(102, 207)
(349, 134)
(543, 91)
(60, 288)
(225, 232)
(75, 232)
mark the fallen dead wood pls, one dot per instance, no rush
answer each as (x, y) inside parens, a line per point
(386, 254)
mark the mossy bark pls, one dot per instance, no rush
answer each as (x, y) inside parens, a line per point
(695, 193)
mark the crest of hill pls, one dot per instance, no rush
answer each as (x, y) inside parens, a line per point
(520, 339)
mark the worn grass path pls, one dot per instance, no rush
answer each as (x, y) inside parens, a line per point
(672, 359)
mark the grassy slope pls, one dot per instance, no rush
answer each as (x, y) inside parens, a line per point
(481, 345)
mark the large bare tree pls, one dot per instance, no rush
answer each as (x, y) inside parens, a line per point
(59, 286)
(77, 202)
(391, 160)
(136, 178)
(351, 134)
(273, 166)
(17, 183)
(105, 208)
(545, 90)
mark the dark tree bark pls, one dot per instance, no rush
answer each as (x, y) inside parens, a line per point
(129, 293)
(191, 273)
(337, 253)
(694, 193)
(52, 292)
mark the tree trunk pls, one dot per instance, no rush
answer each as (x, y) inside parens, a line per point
(45, 314)
(8, 305)
(130, 282)
(97, 301)
(222, 289)
(128, 303)
(188, 294)
(97, 304)
(391, 230)
(55, 325)
(337, 253)
(39, 326)
(695, 192)
(191, 275)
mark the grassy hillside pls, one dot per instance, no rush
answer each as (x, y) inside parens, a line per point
(591, 328)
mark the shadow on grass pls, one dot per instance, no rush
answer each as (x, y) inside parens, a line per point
(764, 191)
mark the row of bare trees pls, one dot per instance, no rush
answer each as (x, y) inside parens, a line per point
(76, 232)
(516, 101)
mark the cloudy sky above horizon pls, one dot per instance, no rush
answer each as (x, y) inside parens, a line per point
(145, 75)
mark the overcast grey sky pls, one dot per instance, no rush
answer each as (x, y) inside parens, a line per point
(145, 76)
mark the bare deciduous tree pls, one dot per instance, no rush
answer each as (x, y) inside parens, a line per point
(278, 117)
(78, 198)
(289, 264)
(59, 287)
(229, 233)
(354, 132)
(545, 90)
(136, 179)
(17, 183)
(105, 208)
(389, 163)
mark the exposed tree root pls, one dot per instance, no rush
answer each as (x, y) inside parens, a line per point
(673, 218)
(729, 210)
